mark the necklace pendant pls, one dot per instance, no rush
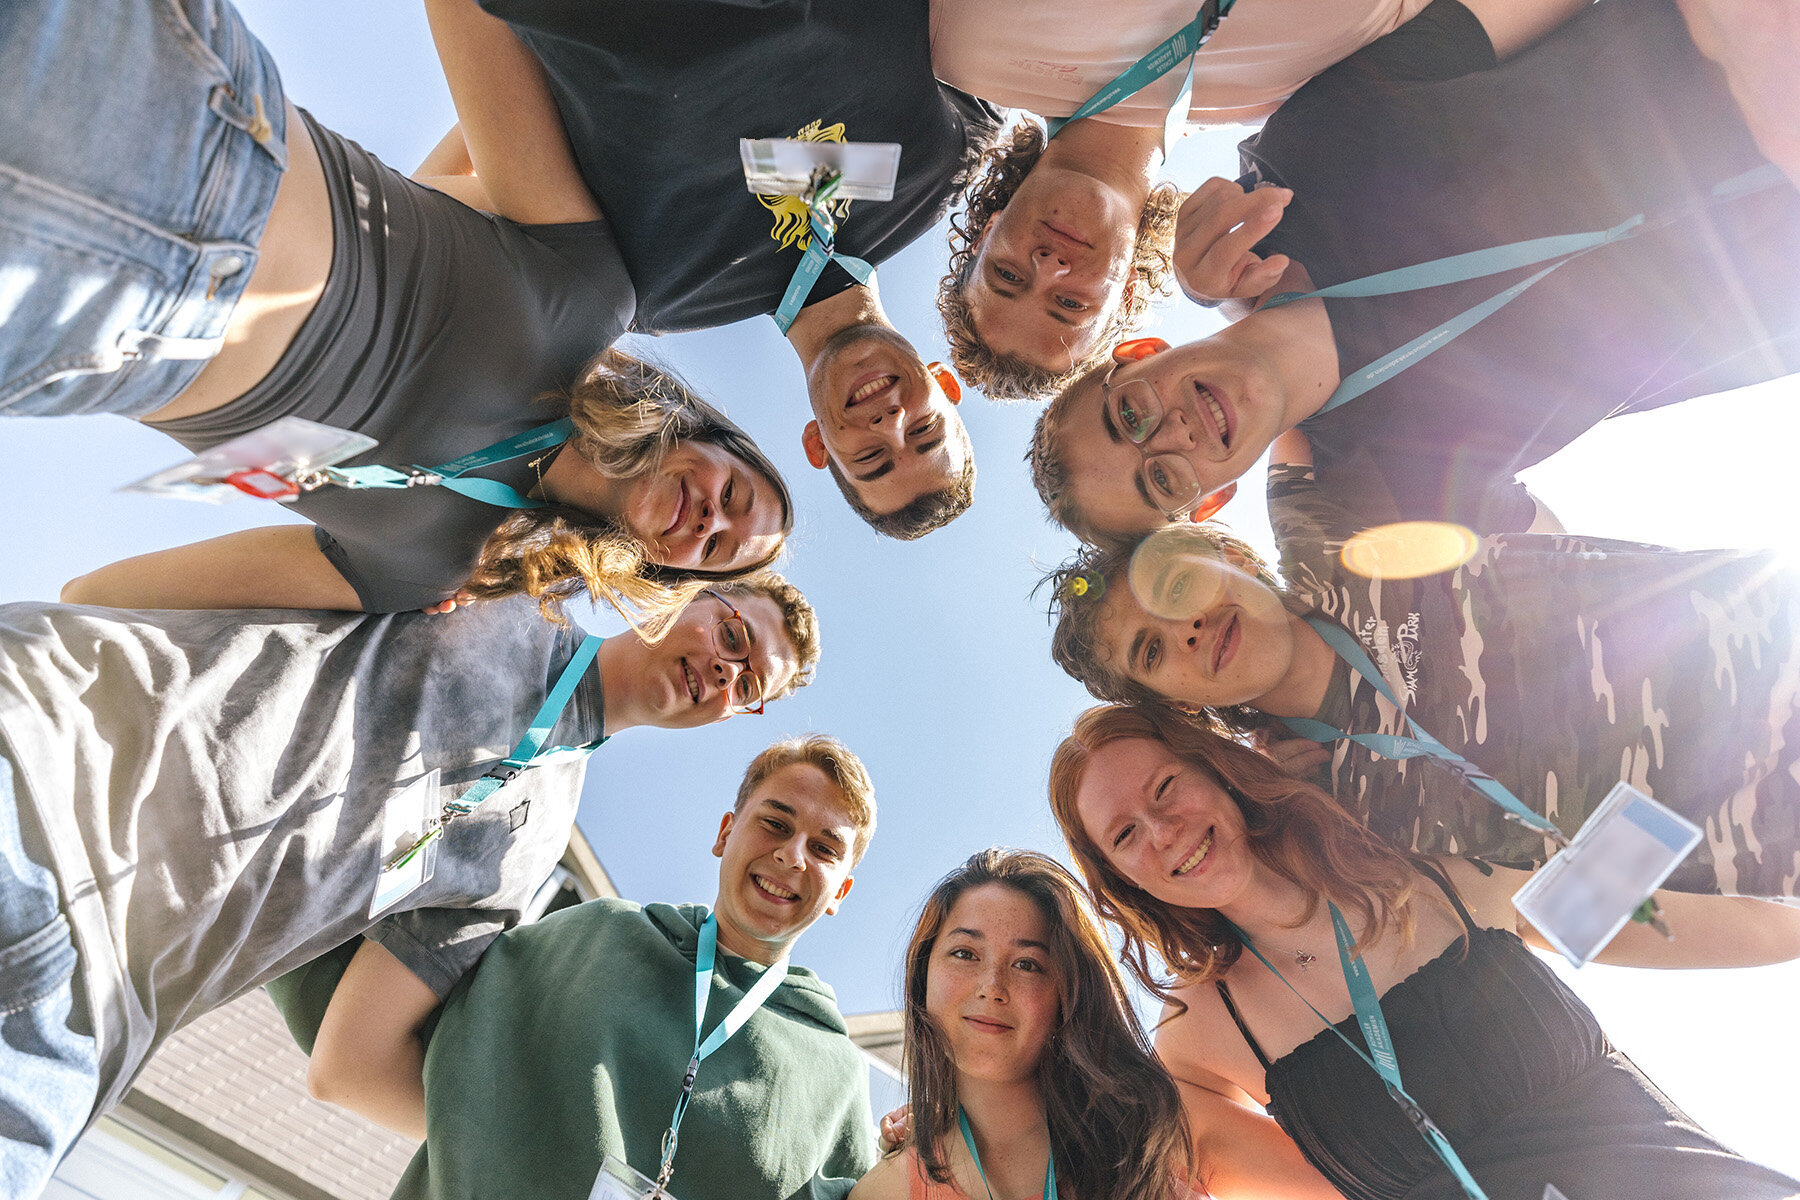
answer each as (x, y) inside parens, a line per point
(1305, 961)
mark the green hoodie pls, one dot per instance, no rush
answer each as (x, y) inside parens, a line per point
(569, 1042)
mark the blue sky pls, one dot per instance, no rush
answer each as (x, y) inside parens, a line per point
(936, 668)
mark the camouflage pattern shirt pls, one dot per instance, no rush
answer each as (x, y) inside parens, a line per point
(1561, 665)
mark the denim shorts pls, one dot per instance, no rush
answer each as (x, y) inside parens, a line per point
(49, 1067)
(141, 148)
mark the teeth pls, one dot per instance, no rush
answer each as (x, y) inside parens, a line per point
(1198, 856)
(870, 388)
(780, 893)
(1218, 410)
(693, 681)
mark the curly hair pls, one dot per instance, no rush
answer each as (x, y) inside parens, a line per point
(1007, 376)
(1115, 1117)
(922, 514)
(1079, 647)
(1296, 830)
(628, 414)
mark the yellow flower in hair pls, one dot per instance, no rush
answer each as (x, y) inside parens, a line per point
(792, 224)
(1078, 586)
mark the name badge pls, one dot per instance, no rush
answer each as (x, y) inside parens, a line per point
(263, 463)
(1582, 897)
(406, 866)
(619, 1180)
(785, 167)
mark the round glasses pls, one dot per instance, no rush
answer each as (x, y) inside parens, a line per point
(1136, 411)
(731, 641)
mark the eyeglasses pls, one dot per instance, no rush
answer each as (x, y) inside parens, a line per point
(731, 640)
(1136, 411)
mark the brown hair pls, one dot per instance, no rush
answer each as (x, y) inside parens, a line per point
(837, 762)
(1048, 459)
(1006, 376)
(922, 514)
(628, 413)
(798, 621)
(1295, 830)
(1078, 645)
(1116, 1122)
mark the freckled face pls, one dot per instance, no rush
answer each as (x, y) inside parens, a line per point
(991, 985)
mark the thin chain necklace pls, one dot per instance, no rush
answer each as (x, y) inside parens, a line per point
(537, 464)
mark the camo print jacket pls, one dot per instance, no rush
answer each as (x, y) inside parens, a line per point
(1561, 665)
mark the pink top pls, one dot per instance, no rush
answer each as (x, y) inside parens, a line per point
(920, 1186)
(1047, 56)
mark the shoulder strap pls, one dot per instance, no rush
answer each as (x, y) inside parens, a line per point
(1430, 871)
(1249, 1038)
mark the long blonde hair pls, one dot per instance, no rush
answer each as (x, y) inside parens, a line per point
(628, 414)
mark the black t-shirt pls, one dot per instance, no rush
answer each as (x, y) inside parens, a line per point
(656, 95)
(440, 331)
(1421, 146)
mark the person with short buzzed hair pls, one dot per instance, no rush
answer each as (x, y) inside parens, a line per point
(567, 1047)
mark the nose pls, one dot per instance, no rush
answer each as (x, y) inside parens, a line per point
(891, 416)
(1050, 262)
(1197, 629)
(726, 671)
(792, 853)
(993, 982)
(1172, 433)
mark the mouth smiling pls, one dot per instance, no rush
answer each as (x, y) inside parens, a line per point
(1226, 644)
(1197, 857)
(988, 1024)
(1210, 404)
(871, 388)
(681, 507)
(1067, 235)
(690, 677)
(774, 891)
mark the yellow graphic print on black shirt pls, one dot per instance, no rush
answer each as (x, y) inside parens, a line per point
(792, 228)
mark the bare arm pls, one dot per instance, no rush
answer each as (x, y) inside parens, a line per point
(368, 1057)
(513, 133)
(449, 169)
(1756, 43)
(277, 567)
(1710, 931)
(1512, 25)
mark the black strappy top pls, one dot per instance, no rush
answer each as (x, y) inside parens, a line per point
(1516, 1071)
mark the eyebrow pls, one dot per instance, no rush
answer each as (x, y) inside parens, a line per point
(877, 473)
(982, 937)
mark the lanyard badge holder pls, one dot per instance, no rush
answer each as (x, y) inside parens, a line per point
(291, 456)
(399, 863)
(619, 1180)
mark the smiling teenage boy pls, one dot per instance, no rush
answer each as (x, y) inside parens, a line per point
(568, 1045)
(192, 803)
(1421, 146)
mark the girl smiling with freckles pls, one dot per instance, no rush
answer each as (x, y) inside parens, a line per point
(1028, 1075)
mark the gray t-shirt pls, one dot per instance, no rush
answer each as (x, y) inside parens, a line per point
(212, 786)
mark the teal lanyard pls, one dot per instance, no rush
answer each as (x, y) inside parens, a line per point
(529, 748)
(1381, 1044)
(721, 1033)
(1180, 47)
(1558, 251)
(1421, 745)
(445, 475)
(820, 250)
(962, 1119)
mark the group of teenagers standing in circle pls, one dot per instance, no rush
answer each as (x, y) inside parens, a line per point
(1466, 231)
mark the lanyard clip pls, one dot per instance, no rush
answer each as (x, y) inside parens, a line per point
(693, 1072)
(1547, 829)
(1418, 1116)
(420, 477)
(504, 771)
(316, 478)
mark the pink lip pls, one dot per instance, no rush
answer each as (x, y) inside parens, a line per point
(1225, 647)
(866, 378)
(988, 1026)
(1067, 235)
(681, 507)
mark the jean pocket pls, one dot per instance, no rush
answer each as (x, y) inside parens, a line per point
(75, 276)
(35, 967)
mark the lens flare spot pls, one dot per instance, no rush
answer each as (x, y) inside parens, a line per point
(1409, 549)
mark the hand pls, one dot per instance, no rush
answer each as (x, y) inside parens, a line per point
(1214, 231)
(894, 1128)
(1297, 756)
(462, 599)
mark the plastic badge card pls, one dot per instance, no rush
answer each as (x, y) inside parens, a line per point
(1550, 1193)
(620, 1181)
(403, 822)
(784, 166)
(1582, 897)
(261, 463)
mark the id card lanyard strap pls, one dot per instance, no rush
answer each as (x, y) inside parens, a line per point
(1380, 1055)
(1420, 745)
(819, 251)
(529, 747)
(1178, 48)
(962, 1119)
(1557, 251)
(446, 475)
(721, 1033)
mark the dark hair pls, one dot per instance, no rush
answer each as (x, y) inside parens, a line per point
(628, 414)
(1007, 376)
(1077, 644)
(1116, 1124)
(922, 514)
(1295, 830)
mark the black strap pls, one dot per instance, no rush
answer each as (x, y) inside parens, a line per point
(1249, 1038)
(1430, 871)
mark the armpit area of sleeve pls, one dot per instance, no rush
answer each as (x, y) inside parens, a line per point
(377, 595)
(439, 945)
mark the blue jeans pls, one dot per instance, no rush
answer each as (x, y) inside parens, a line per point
(49, 1067)
(141, 147)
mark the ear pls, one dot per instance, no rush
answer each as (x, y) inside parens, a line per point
(724, 832)
(1212, 504)
(947, 380)
(1136, 348)
(813, 442)
(849, 882)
